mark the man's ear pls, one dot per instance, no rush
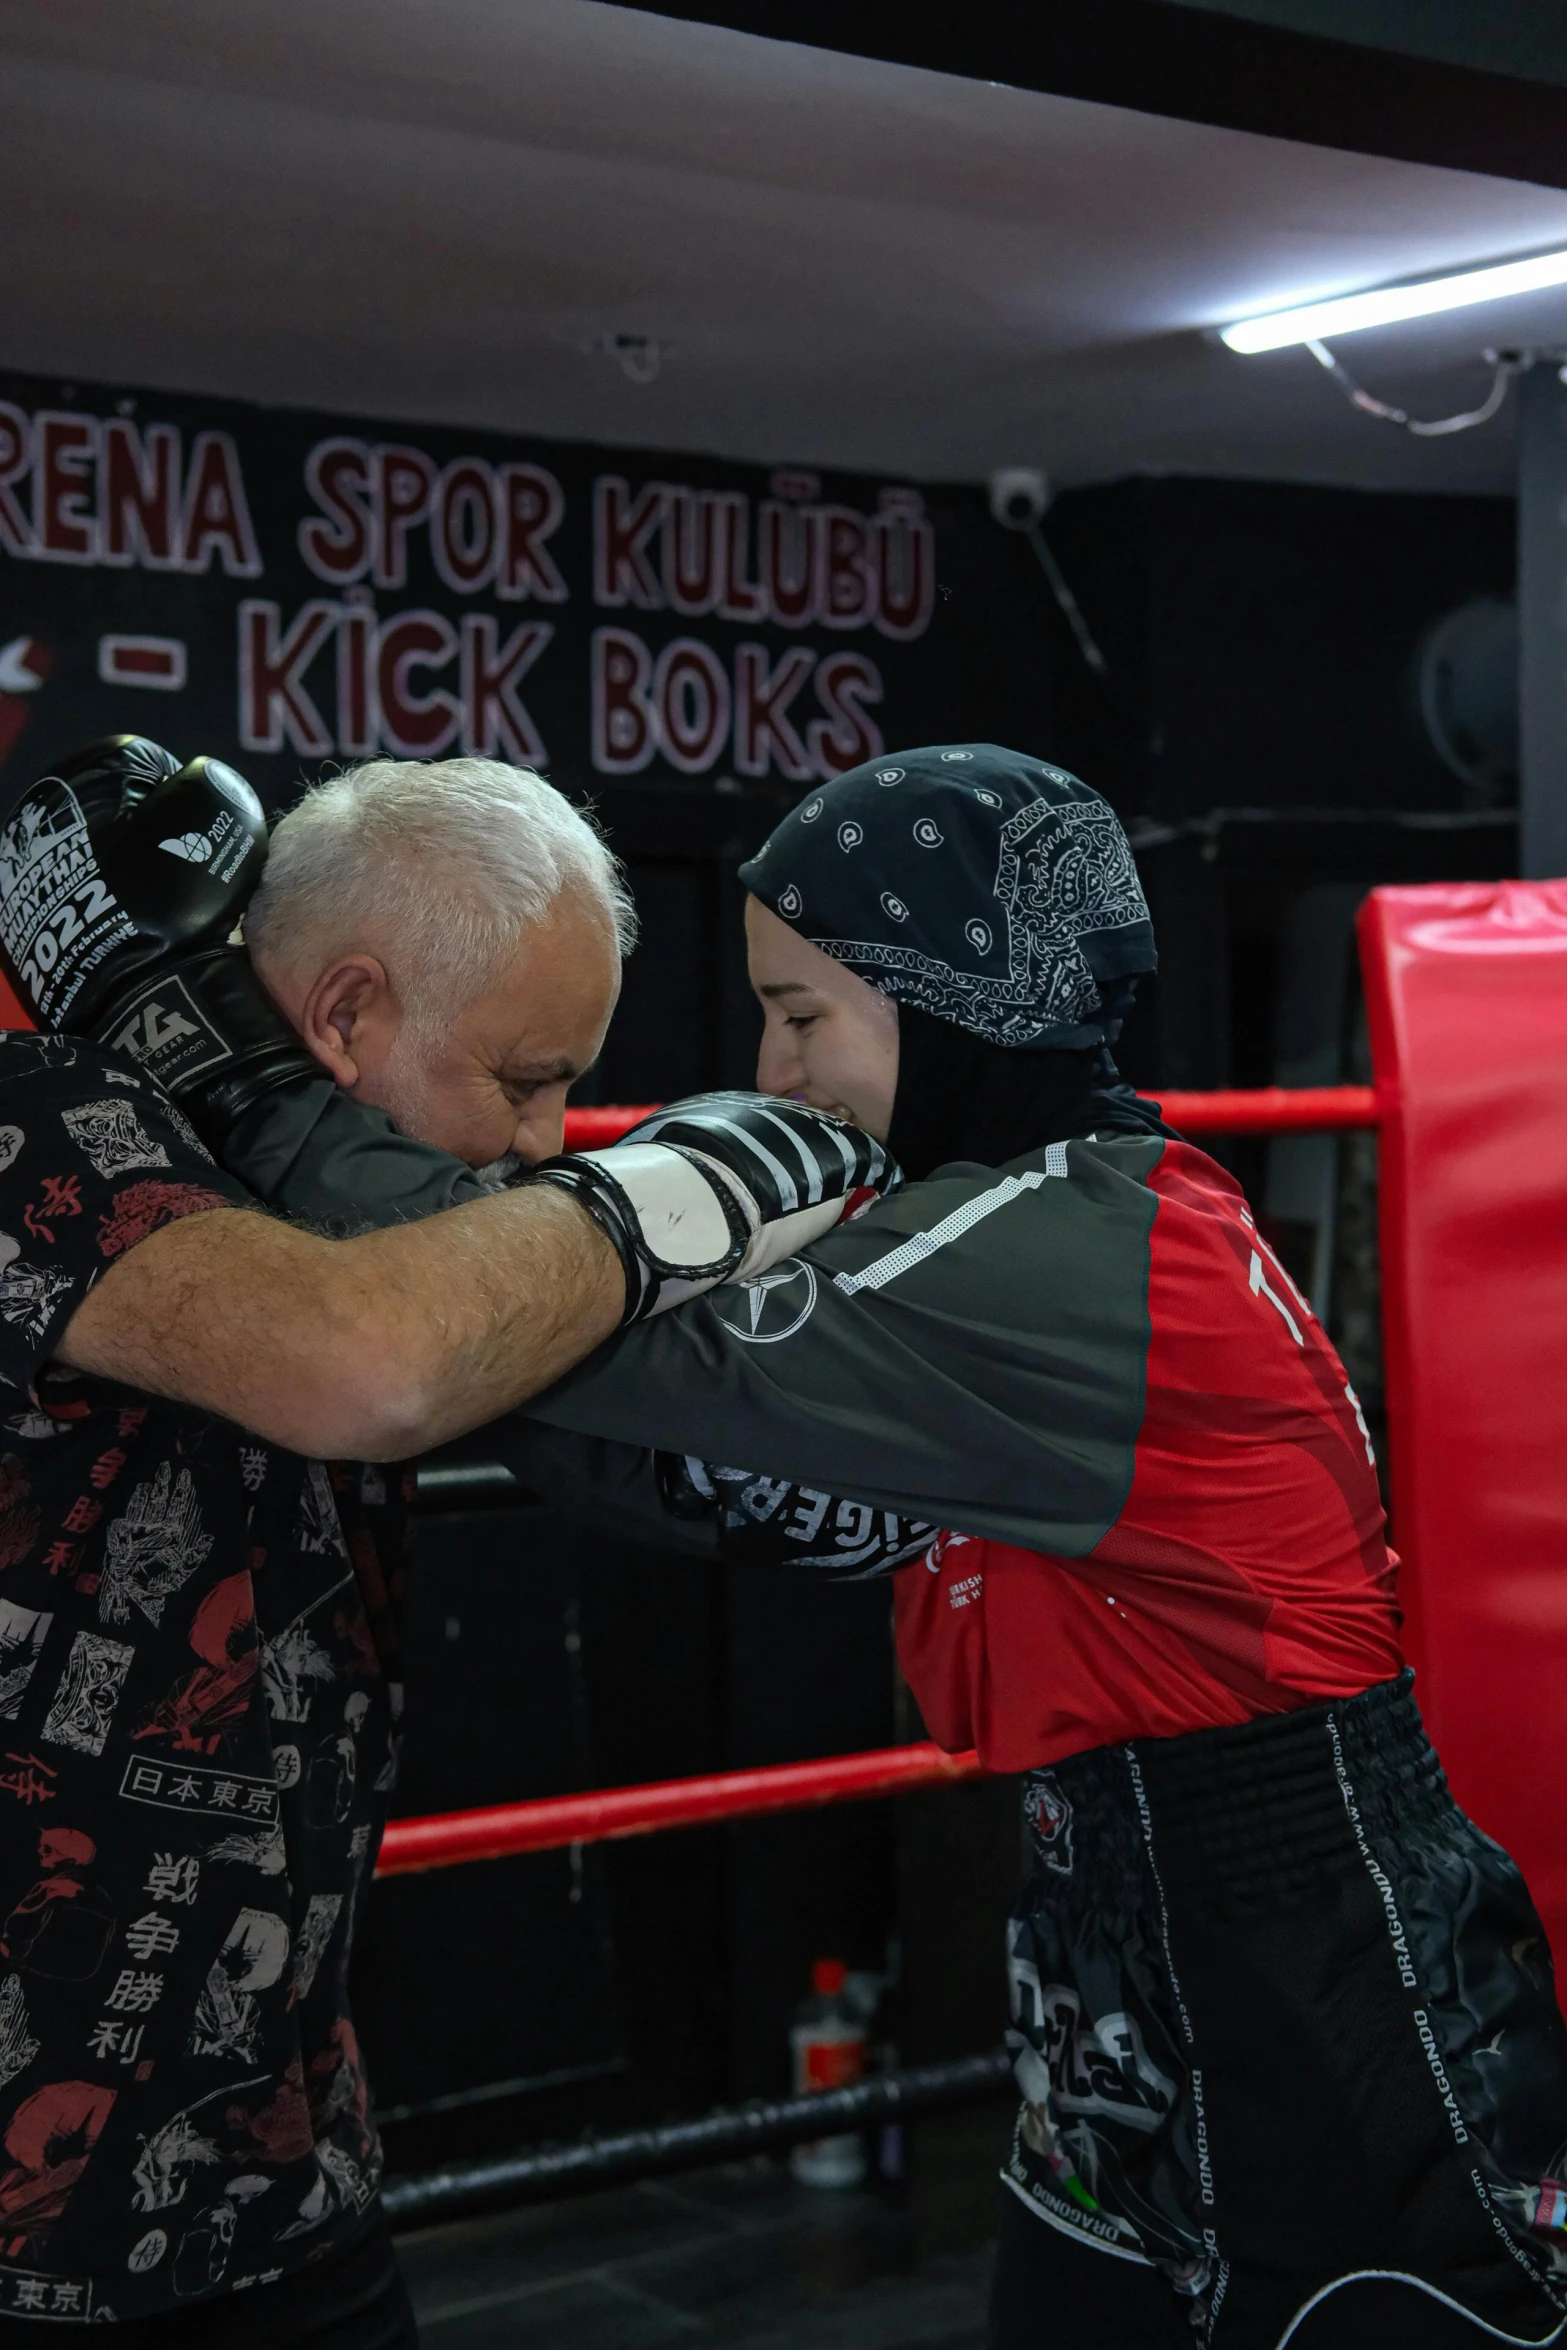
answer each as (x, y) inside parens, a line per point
(349, 1018)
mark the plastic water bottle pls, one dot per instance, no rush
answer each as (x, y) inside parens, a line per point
(828, 2045)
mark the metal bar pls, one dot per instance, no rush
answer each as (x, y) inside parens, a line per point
(726, 2135)
(1269, 1109)
(443, 1839)
(1274, 1109)
(1542, 618)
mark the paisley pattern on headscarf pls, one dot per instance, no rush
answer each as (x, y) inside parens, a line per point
(981, 886)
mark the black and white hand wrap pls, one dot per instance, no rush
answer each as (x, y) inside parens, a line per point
(718, 1188)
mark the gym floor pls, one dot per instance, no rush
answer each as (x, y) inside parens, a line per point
(740, 2254)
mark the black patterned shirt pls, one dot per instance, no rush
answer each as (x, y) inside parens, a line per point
(198, 1699)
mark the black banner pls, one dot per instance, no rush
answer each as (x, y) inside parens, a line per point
(293, 590)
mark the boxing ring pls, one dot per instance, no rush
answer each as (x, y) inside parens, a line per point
(1466, 999)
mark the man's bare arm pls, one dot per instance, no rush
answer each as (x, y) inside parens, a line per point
(367, 1349)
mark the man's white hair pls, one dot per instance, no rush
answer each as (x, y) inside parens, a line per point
(448, 859)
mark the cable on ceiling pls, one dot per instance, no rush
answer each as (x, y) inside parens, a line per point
(1071, 609)
(1506, 365)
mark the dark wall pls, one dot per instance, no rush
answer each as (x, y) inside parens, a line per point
(1257, 731)
(686, 1018)
(1260, 637)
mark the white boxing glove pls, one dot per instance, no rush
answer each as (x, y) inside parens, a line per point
(718, 1188)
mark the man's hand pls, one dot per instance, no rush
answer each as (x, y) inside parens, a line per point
(122, 875)
(718, 1188)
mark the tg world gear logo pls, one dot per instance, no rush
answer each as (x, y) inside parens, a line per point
(169, 1034)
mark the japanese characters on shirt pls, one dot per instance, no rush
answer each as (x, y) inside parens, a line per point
(197, 1737)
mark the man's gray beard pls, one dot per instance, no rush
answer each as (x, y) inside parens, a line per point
(501, 1173)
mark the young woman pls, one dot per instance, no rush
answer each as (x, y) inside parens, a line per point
(1291, 2061)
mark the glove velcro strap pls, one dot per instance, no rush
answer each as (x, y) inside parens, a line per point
(650, 1198)
(589, 1189)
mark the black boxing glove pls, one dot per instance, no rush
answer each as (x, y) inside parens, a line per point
(122, 875)
(719, 1188)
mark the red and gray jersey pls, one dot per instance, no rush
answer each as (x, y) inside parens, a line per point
(1158, 1496)
(1159, 1503)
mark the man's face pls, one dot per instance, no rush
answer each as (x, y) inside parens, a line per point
(493, 1079)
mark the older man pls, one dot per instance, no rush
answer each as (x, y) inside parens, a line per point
(198, 1666)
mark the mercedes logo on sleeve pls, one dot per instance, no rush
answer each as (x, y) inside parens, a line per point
(770, 1305)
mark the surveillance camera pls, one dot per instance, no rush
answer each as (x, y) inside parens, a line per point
(1019, 496)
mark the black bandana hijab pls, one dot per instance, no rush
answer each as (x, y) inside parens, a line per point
(972, 883)
(996, 899)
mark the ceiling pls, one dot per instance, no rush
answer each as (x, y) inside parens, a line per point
(436, 213)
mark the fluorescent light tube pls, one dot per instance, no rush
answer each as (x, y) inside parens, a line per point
(1348, 313)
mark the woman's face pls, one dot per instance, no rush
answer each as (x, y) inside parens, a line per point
(831, 1039)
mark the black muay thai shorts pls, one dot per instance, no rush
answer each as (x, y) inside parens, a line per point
(1284, 2017)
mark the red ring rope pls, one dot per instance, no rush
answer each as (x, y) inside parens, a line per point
(445, 1838)
(1269, 1109)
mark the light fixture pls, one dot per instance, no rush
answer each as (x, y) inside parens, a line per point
(1346, 314)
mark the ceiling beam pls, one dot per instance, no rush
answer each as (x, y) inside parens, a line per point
(1195, 64)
